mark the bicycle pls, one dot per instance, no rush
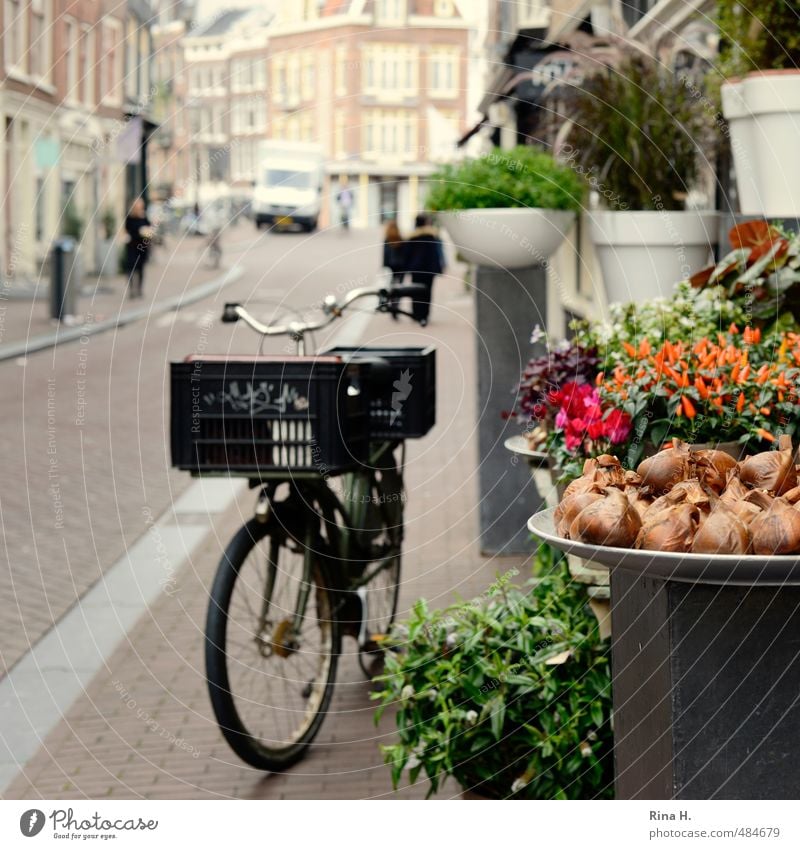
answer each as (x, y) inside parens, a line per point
(313, 564)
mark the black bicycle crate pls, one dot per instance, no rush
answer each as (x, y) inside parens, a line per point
(406, 408)
(250, 416)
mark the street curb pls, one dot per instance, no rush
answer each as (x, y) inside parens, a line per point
(71, 334)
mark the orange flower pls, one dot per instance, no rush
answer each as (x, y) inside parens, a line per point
(740, 402)
(688, 407)
(629, 349)
(701, 387)
(765, 434)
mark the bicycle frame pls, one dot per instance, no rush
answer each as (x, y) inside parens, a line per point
(342, 545)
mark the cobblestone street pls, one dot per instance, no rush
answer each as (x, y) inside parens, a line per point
(143, 727)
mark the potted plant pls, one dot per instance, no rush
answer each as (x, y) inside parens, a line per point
(510, 694)
(761, 273)
(509, 208)
(638, 134)
(106, 257)
(625, 402)
(760, 61)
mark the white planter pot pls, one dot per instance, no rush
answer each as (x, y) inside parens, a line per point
(107, 257)
(507, 238)
(644, 254)
(740, 122)
(763, 111)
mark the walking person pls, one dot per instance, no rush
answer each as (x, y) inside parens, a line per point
(424, 259)
(140, 233)
(394, 260)
(345, 201)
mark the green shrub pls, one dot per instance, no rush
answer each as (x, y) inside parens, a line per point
(522, 177)
(757, 35)
(479, 701)
(72, 224)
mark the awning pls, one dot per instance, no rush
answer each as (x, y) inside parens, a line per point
(484, 121)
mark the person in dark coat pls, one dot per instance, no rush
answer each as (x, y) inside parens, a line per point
(394, 260)
(424, 260)
(140, 232)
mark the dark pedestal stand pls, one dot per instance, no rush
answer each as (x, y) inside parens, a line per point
(706, 689)
(509, 303)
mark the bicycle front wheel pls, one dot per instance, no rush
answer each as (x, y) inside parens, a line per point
(272, 643)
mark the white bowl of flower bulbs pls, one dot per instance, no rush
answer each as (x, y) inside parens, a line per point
(687, 501)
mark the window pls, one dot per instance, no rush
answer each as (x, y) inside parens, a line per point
(14, 34)
(243, 159)
(443, 66)
(111, 60)
(87, 65)
(390, 11)
(309, 76)
(340, 71)
(279, 78)
(217, 127)
(248, 115)
(391, 132)
(293, 80)
(131, 71)
(41, 34)
(391, 70)
(72, 53)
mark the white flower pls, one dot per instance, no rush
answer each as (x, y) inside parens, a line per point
(586, 750)
(471, 717)
(412, 762)
(407, 692)
(452, 640)
(432, 694)
(591, 736)
(537, 335)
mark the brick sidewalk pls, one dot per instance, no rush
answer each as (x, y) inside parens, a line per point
(74, 444)
(104, 748)
(174, 268)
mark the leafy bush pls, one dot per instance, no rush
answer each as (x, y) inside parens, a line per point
(509, 693)
(72, 224)
(639, 132)
(522, 177)
(757, 35)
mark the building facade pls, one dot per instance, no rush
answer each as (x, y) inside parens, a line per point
(381, 85)
(66, 97)
(225, 106)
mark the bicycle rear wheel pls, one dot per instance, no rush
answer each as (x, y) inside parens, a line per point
(270, 671)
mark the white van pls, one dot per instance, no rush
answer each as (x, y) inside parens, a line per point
(288, 190)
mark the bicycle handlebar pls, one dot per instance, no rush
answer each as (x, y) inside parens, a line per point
(331, 308)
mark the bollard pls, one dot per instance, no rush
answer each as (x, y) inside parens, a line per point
(63, 272)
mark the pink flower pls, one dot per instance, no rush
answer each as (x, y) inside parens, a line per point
(617, 426)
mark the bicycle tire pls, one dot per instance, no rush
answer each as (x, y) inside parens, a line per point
(381, 594)
(252, 748)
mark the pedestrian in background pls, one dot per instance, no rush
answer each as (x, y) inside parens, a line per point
(424, 260)
(345, 201)
(140, 232)
(394, 260)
